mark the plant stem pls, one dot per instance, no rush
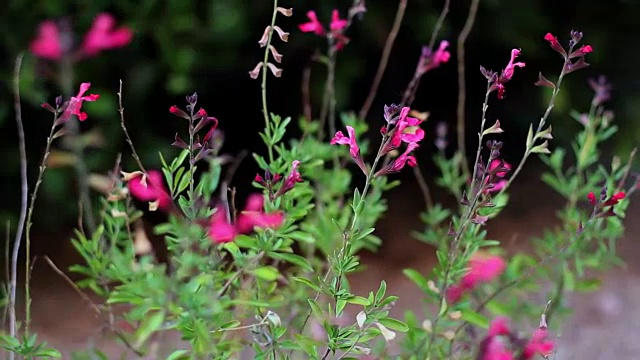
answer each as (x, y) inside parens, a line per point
(485, 106)
(126, 133)
(328, 100)
(384, 59)
(23, 203)
(74, 141)
(541, 124)
(462, 90)
(263, 85)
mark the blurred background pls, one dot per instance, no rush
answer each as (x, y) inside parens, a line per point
(182, 46)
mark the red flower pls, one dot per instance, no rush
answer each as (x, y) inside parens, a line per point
(75, 104)
(221, 230)
(499, 326)
(592, 198)
(614, 199)
(47, 43)
(104, 36)
(150, 187)
(499, 185)
(555, 45)
(538, 344)
(482, 269)
(313, 25)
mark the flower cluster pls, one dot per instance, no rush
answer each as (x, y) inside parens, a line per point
(270, 180)
(483, 268)
(222, 230)
(198, 120)
(603, 205)
(265, 40)
(400, 129)
(494, 345)
(337, 27)
(497, 81)
(572, 53)
(53, 42)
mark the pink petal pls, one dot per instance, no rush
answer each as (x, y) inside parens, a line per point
(220, 230)
(47, 43)
(499, 326)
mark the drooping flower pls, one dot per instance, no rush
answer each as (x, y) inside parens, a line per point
(615, 198)
(47, 43)
(103, 35)
(483, 268)
(354, 149)
(74, 107)
(150, 187)
(400, 162)
(500, 168)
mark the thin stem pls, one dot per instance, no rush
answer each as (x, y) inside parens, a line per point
(328, 99)
(192, 133)
(263, 85)
(384, 60)
(74, 141)
(485, 106)
(126, 133)
(439, 23)
(23, 203)
(462, 89)
(541, 124)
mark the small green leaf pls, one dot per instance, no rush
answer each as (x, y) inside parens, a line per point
(48, 352)
(541, 149)
(294, 259)
(267, 273)
(358, 300)
(529, 143)
(178, 355)
(495, 129)
(307, 282)
(394, 324)
(315, 308)
(149, 325)
(475, 318)
(381, 291)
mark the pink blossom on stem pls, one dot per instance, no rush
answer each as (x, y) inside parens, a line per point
(74, 106)
(399, 163)
(313, 25)
(430, 60)
(291, 180)
(508, 71)
(337, 24)
(47, 44)
(538, 345)
(151, 188)
(104, 36)
(496, 350)
(354, 149)
(483, 268)
(498, 327)
(400, 133)
(499, 185)
(220, 229)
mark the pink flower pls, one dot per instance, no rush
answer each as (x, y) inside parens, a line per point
(592, 198)
(483, 268)
(551, 39)
(221, 230)
(538, 344)
(496, 350)
(499, 185)
(151, 189)
(442, 55)
(291, 180)
(313, 25)
(615, 199)
(399, 163)
(337, 24)
(104, 36)
(350, 140)
(498, 327)
(47, 43)
(75, 104)
(401, 135)
(507, 73)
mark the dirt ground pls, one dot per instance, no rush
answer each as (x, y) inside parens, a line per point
(606, 325)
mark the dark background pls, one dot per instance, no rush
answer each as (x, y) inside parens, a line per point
(181, 46)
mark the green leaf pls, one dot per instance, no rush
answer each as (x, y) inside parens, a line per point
(394, 324)
(475, 318)
(294, 259)
(541, 149)
(530, 137)
(149, 325)
(308, 282)
(48, 352)
(267, 273)
(315, 308)
(417, 279)
(178, 355)
(358, 300)
(381, 291)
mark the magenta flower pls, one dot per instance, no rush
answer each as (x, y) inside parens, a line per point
(500, 184)
(101, 36)
(74, 107)
(337, 24)
(430, 60)
(400, 162)
(507, 73)
(354, 149)
(104, 36)
(313, 25)
(221, 230)
(47, 43)
(400, 133)
(495, 350)
(498, 327)
(538, 345)
(483, 268)
(150, 187)
(291, 180)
